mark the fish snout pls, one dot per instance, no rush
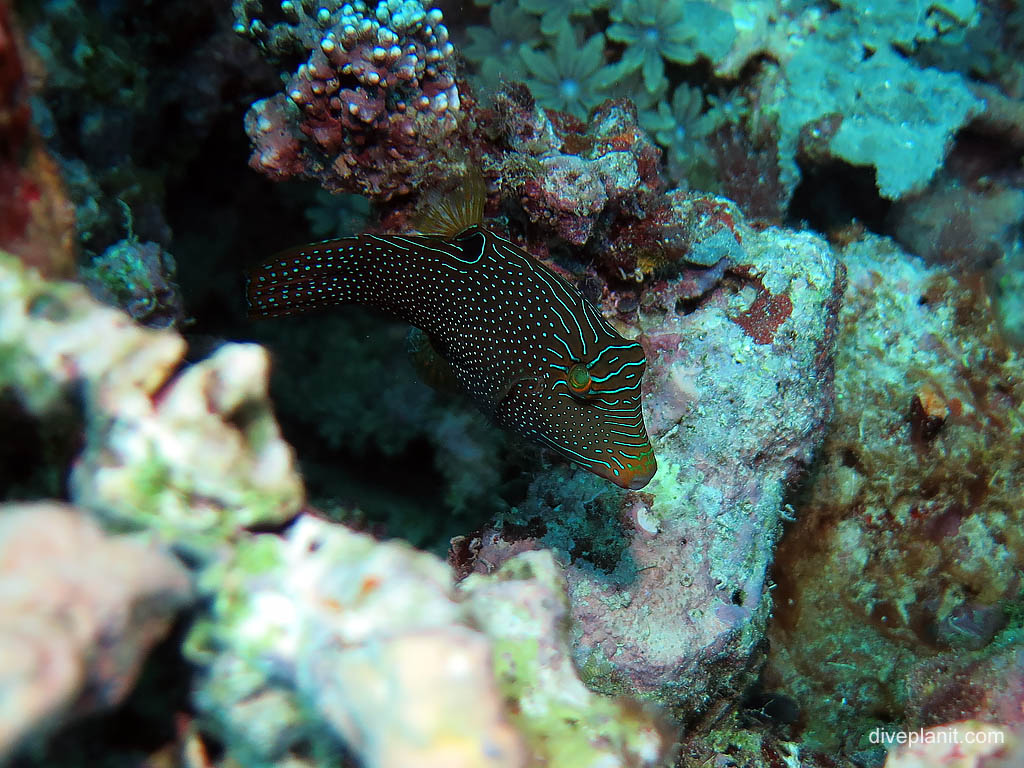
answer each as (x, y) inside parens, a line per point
(641, 479)
(642, 476)
(635, 476)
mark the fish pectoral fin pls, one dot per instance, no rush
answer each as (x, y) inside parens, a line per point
(520, 376)
(431, 366)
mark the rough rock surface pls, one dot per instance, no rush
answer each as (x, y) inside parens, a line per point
(201, 460)
(328, 635)
(909, 540)
(79, 610)
(968, 744)
(193, 456)
(985, 685)
(36, 219)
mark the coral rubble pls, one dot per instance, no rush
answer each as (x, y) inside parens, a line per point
(194, 455)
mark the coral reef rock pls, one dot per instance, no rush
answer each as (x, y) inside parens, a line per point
(668, 585)
(194, 455)
(36, 220)
(981, 685)
(909, 540)
(79, 610)
(138, 277)
(569, 176)
(328, 635)
(968, 744)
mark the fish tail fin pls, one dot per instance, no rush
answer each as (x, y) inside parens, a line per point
(298, 281)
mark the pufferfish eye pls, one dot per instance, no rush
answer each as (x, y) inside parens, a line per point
(578, 379)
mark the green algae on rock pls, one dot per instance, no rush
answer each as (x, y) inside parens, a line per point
(321, 637)
(194, 456)
(523, 608)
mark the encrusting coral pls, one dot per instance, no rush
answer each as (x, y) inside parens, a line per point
(856, 105)
(372, 105)
(813, 97)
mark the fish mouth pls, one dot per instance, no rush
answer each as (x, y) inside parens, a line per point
(641, 477)
(633, 479)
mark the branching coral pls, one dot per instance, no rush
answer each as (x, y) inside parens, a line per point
(682, 32)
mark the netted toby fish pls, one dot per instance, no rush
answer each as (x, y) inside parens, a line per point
(526, 346)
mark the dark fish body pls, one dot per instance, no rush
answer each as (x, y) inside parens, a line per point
(525, 345)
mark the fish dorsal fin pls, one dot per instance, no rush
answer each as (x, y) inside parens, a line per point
(445, 214)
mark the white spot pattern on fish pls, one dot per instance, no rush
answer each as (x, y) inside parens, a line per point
(525, 345)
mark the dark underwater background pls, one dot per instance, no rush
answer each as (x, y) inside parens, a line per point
(809, 213)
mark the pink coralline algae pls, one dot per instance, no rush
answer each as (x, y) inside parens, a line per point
(373, 107)
(36, 219)
(569, 177)
(983, 685)
(965, 744)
